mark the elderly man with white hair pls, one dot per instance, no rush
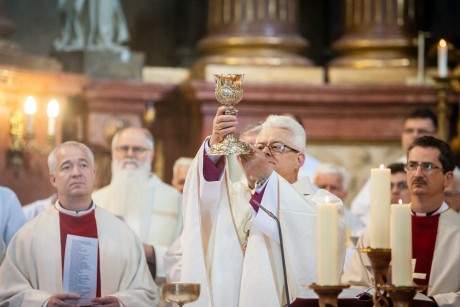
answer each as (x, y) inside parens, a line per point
(149, 206)
(244, 268)
(180, 169)
(334, 179)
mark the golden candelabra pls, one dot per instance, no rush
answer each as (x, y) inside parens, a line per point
(380, 261)
(328, 294)
(443, 86)
(402, 296)
(23, 142)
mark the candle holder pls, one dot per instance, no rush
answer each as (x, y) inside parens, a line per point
(402, 296)
(380, 261)
(442, 85)
(328, 294)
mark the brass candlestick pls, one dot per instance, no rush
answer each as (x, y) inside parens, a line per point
(229, 92)
(328, 294)
(442, 85)
(402, 296)
(380, 261)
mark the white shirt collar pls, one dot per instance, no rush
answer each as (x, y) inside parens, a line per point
(60, 208)
(440, 210)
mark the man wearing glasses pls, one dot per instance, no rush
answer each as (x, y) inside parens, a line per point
(420, 122)
(149, 206)
(398, 181)
(237, 270)
(435, 227)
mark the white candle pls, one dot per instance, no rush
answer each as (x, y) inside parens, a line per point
(401, 244)
(442, 58)
(53, 112)
(327, 244)
(30, 107)
(380, 207)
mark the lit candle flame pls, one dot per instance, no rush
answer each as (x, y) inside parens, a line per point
(400, 201)
(53, 108)
(382, 166)
(30, 106)
(442, 43)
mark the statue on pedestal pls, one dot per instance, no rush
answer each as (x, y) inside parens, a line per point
(92, 25)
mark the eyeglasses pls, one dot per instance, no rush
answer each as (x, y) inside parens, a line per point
(275, 147)
(425, 167)
(401, 185)
(135, 149)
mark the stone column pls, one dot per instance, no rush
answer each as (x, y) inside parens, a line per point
(6, 29)
(252, 32)
(377, 33)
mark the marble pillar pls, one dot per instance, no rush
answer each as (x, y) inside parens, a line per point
(252, 32)
(377, 33)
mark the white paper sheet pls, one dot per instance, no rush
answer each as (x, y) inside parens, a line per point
(80, 268)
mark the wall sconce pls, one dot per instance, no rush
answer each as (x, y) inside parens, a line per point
(23, 142)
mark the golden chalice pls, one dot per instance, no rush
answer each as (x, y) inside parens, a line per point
(180, 293)
(229, 92)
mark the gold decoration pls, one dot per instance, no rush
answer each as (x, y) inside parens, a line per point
(229, 92)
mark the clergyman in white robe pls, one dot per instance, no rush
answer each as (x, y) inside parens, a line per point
(214, 238)
(158, 222)
(32, 268)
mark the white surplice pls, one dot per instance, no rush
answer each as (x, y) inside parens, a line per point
(215, 216)
(158, 224)
(32, 268)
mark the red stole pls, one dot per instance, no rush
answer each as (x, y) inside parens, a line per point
(84, 226)
(424, 232)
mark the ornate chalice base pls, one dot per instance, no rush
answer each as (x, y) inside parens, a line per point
(328, 294)
(180, 293)
(402, 296)
(229, 92)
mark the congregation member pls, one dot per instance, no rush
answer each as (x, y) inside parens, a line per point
(238, 268)
(452, 192)
(180, 169)
(11, 217)
(149, 206)
(334, 179)
(398, 183)
(420, 122)
(435, 227)
(34, 208)
(33, 269)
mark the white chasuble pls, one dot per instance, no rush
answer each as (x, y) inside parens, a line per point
(215, 214)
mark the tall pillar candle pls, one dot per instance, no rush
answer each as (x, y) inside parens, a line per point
(380, 207)
(327, 244)
(401, 245)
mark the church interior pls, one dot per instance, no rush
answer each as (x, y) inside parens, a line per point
(350, 69)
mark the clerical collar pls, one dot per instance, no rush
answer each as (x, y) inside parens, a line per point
(440, 210)
(59, 206)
